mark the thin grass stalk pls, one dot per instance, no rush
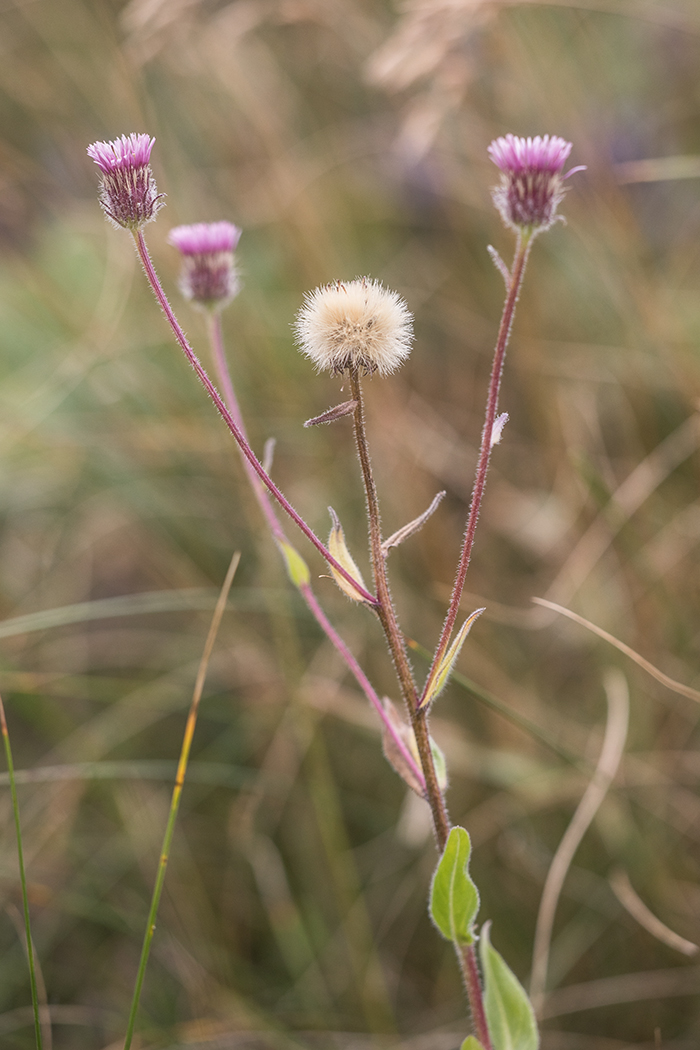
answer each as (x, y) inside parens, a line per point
(230, 422)
(223, 373)
(522, 252)
(22, 878)
(176, 796)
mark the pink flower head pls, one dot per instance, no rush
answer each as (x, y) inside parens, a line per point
(128, 192)
(209, 277)
(531, 184)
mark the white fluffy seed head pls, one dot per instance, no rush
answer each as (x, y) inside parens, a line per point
(355, 325)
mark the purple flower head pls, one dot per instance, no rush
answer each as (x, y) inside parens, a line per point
(128, 192)
(531, 184)
(209, 277)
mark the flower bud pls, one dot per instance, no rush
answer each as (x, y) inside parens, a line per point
(355, 325)
(531, 184)
(128, 192)
(209, 277)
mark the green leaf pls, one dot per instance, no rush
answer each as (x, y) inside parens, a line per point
(454, 899)
(509, 1015)
(297, 568)
(440, 765)
(444, 668)
(471, 1043)
(339, 549)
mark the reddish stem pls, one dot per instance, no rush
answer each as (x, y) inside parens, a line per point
(472, 980)
(521, 254)
(224, 376)
(230, 421)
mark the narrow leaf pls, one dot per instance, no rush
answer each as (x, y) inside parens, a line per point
(440, 764)
(454, 899)
(331, 414)
(338, 548)
(500, 265)
(510, 1017)
(297, 568)
(413, 526)
(268, 454)
(393, 753)
(471, 1043)
(443, 670)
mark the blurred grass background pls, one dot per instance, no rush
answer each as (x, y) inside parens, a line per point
(346, 137)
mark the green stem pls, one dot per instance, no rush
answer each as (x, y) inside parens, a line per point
(22, 877)
(175, 801)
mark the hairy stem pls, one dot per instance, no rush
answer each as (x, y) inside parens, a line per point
(521, 255)
(472, 981)
(387, 617)
(243, 444)
(224, 376)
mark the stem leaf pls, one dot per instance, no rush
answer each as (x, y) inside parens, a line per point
(471, 1043)
(393, 754)
(339, 549)
(443, 670)
(297, 569)
(510, 1016)
(454, 899)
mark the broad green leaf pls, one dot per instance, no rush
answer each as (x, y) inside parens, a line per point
(338, 548)
(443, 670)
(454, 899)
(509, 1015)
(297, 568)
(471, 1043)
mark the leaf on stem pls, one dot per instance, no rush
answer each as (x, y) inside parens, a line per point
(454, 899)
(268, 454)
(442, 672)
(471, 1043)
(500, 265)
(509, 1015)
(393, 753)
(338, 548)
(440, 764)
(498, 425)
(331, 414)
(297, 569)
(413, 526)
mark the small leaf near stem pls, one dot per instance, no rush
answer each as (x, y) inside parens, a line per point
(339, 549)
(444, 669)
(471, 1043)
(413, 526)
(331, 414)
(500, 265)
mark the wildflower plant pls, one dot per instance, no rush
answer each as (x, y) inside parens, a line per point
(354, 329)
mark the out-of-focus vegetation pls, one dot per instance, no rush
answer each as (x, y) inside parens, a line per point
(346, 137)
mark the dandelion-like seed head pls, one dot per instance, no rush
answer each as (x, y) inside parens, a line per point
(531, 186)
(357, 325)
(128, 192)
(209, 277)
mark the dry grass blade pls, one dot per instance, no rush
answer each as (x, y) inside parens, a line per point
(632, 903)
(670, 683)
(613, 745)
